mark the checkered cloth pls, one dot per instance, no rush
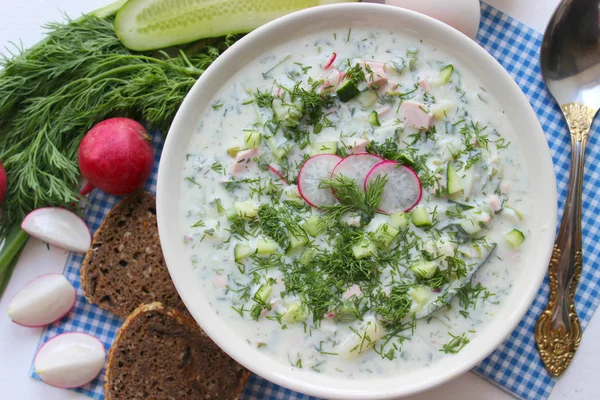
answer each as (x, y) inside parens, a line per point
(515, 365)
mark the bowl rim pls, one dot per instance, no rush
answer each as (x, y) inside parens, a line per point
(253, 359)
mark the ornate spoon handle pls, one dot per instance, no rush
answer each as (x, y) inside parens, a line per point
(558, 330)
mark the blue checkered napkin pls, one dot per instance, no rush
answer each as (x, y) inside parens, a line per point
(515, 365)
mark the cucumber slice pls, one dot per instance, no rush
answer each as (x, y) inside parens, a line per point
(399, 220)
(373, 119)
(263, 293)
(264, 247)
(241, 251)
(313, 226)
(367, 99)
(295, 313)
(297, 241)
(424, 270)
(232, 151)
(362, 339)
(363, 249)
(420, 216)
(446, 72)
(323, 148)
(246, 209)
(347, 91)
(156, 24)
(468, 227)
(519, 213)
(420, 294)
(252, 139)
(346, 313)
(307, 257)
(386, 234)
(453, 181)
(515, 238)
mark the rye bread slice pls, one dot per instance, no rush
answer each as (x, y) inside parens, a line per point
(161, 354)
(124, 267)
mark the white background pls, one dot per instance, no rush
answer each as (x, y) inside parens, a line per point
(20, 22)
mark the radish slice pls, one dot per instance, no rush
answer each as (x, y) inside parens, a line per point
(403, 189)
(313, 171)
(70, 360)
(42, 301)
(275, 170)
(59, 227)
(330, 61)
(356, 166)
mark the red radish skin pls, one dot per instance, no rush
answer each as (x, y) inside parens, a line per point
(277, 173)
(330, 61)
(388, 163)
(329, 159)
(57, 319)
(69, 333)
(3, 182)
(116, 156)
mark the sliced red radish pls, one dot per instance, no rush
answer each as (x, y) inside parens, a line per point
(70, 360)
(59, 227)
(42, 301)
(330, 61)
(275, 170)
(356, 166)
(403, 189)
(312, 173)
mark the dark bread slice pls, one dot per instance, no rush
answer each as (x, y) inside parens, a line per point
(124, 267)
(160, 354)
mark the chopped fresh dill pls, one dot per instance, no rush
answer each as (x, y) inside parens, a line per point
(456, 344)
(192, 180)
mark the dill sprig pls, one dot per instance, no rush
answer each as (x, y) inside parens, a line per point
(456, 344)
(349, 193)
(53, 93)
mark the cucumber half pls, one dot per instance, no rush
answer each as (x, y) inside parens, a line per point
(155, 24)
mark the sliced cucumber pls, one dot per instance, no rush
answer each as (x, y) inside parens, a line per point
(420, 216)
(263, 294)
(346, 313)
(297, 241)
(517, 212)
(385, 234)
(515, 238)
(323, 148)
(252, 139)
(264, 247)
(373, 119)
(424, 270)
(307, 257)
(399, 220)
(313, 226)
(363, 249)
(362, 339)
(156, 24)
(468, 227)
(367, 99)
(246, 209)
(446, 72)
(295, 313)
(347, 91)
(420, 294)
(232, 151)
(452, 180)
(241, 251)
(288, 114)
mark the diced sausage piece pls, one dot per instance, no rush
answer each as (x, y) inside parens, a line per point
(374, 72)
(424, 83)
(353, 290)
(242, 159)
(414, 114)
(495, 202)
(358, 146)
(220, 281)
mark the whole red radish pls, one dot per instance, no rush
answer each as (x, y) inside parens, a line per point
(116, 156)
(2, 182)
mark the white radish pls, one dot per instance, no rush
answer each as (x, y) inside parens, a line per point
(403, 189)
(70, 360)
(59, 227)
(42, 301)
(356, 167)
(315, 170)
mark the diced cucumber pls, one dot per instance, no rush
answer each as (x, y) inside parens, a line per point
(373, 119)
(385, 234)
(313, 226)
(425, 269)
(446, 72)
(347, 91)
(452, 180)
(346, 313)
(469, 227)
(363, 249)
(265, 247)
(442, 109)
(287, 113)
(263, 294)
(252, 139)
(420, 216)
(420, 294)
(515, 238)
(307, 257)
(362, 340)
(242, 250)
(399, 220)
(246, 209)
(297, 241)
(294, 313)
(367, 99)
(323, 148)
(156, 24)
(232, 151)
(519, 213)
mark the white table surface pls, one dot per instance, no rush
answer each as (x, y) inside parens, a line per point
(20, 22)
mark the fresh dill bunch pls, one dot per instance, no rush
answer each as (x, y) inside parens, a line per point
(394, 308)
(53, 93)
(271, 225)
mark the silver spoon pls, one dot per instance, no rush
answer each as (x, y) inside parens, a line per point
(570, 60)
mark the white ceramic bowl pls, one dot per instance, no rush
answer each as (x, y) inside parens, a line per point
(542, 188)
